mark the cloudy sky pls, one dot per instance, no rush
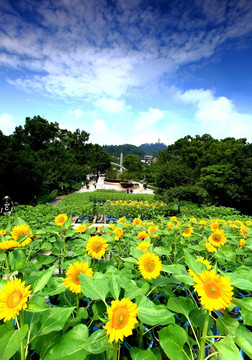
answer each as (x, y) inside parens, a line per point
(128, 71)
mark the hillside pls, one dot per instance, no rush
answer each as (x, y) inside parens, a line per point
(126, 149)
(151, 148)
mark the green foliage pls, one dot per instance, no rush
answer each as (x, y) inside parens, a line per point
(221, 167)
(126, 149)
(152, 148)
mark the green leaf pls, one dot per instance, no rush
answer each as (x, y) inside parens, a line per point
(240, 282)
(177, 269)
(132, 290)
(138, 354)
(162, 250)
(181, 305)
(10, 342)
(153, 314)
(114, 286)
(244, 340)
(71, 345)
(34, 307)
(136, 253)
(172, 340)
(45, 342)
(227, 349)
(194, 265)
(246, 309)
(97, 343)
(95, 289)
(43, 279)
(226, 253)
(54, 319)
(54, 286)
(227, 325)
(130, 260)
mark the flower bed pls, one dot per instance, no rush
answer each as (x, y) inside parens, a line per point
(175, 288)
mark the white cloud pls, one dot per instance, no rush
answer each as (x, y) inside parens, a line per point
(100, 126)
(110, 105)
(84, 50)
(216, 115)
(78, 113)
(7, 124)
(148, 119)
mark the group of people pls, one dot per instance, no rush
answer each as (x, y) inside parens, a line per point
(7, 206)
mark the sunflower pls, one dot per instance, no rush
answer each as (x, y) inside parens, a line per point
(242, 243)
(188, 233)
(142, 235)
(214, 226)
(152, 230)
(121, 220)
(205, 262)
(72, 280)
(169, 225)
(203, 222)
(20, 230)
(122, 319)
(243, 230)
(60, 219)
(96, 246)
(218, 238)
(8, 244)
(81, 228)
(118, 233)
(210, 248)
(3, 232)
(25, 242)
(149, 266)
(215, 291)
(144, 245)
(137, 221)
(13, 298)
(193, 274)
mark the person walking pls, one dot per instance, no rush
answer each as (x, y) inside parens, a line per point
(7, 206)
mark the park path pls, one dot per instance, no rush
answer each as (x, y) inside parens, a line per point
(117, 187)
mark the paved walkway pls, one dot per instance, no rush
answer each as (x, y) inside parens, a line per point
(117, 187)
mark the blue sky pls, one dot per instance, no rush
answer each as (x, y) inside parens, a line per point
(130, 71)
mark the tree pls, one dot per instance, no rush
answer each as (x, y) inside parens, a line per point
(98, 159)
(132, 162)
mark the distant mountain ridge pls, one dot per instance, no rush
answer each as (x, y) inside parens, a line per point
(116, 150)
(144, 149)
(151, 148)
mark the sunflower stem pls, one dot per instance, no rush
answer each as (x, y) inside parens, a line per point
(141, 335)
(8, 266)
(119, 254)
(77, 302)
(23, 357)
(201, 353)
(59, 266)
(115, 351)
(119, 348)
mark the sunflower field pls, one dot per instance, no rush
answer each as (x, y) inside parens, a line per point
(146, 285)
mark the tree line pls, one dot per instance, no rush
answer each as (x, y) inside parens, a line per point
(40, 157)
(204, 169)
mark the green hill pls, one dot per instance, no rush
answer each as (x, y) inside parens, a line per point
(116, 150)
(151, 148)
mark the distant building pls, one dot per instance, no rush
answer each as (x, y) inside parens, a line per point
(148, 159)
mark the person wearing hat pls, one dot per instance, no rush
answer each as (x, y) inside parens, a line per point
(7, 206)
